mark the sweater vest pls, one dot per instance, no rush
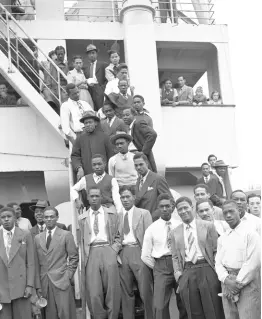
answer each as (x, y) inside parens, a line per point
(125, 172)
(105, 185)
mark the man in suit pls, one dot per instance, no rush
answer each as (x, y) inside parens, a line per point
(144, 137)
(101, 238)
(134, 222)
(209, 179)
(17, 268)
(156, 254)
(38, 210)
(185, 93)
(194, 246)
(201, 192)
(149, 186)
(56, 262)
(142, 113)
(92, 141)
(94, 72)
(111, 124)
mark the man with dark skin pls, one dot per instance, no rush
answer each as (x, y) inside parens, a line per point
(17, 268)
(238, 266)
(142, 113)
(112, 123)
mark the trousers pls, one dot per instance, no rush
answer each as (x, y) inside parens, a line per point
(18, 309)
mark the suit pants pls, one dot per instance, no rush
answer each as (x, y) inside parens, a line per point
(248, 305)
(103, 283)
(97, 94)
(164, 283)
(60, 303)
(133, 269)
(18, 309)
(199, 288)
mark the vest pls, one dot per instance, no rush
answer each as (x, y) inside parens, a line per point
(169, 96)
(105, 185)
(125, 172)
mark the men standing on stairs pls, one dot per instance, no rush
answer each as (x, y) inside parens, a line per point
(134, 222)
(106, 183)
(71, 113)
(211, 180)
(102, 244)
(94, 72)
(56, 262)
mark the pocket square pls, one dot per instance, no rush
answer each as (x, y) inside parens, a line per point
(150, 188)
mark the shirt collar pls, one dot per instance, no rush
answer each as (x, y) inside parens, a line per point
(132, 124)
(100, 210)
(145, 177)
(39, 226)
(230, 230)
(192, 224)
(99, 176)
(52, 231)
(130, 210)
(7, 231)
(112, 120)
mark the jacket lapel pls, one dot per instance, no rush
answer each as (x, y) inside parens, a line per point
(201, 236)
(16, 243)
(107, 223)
(149, 180)
(55, 239)
(98, 66)
(42, 240)
(2, 248)
(136, 218)
(180, 241)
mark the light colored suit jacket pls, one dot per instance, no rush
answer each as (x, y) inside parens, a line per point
(141, 220)
(185, 95)
(19, 271)
(207, 240)
(57, 264)
(112, 228)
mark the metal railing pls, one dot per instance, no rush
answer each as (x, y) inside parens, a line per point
(23, 12)
(21, 52)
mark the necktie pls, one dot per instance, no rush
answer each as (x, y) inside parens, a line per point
(126, 224)
(206, 180)
(80, 106)
(168, 238)
(41, 228)
(192, 251)
(141, 183)
(48, 240)
(96, 227)
(115, 70)
(91, 70)
(9, 241)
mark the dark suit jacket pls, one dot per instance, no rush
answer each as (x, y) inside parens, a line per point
(141, 221)
(57, 264)
(19, 271)
(100, 72)
(144, 138)
(118, 125)
(35, 230)
(120, 102)
(153, 186)
(213, 184)
(207, 240)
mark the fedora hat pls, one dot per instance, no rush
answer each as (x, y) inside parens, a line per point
(89, 115)
(40, 204)
(120, 134)
(220, 163)
(90, 48)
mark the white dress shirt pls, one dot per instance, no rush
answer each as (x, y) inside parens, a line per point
(70, 114)
(24, 223)
(221, 226)
(238, 248)
(39, 227)
(252, 221)
(112, 87)
(101, 236)
(131, 146)
(5, 232)
(82, 185)
(155, 241)
(206, 178)
(130, 237)
(110, 122)
(194, 232)
(52, 232)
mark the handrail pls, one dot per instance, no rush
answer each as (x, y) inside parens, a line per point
(6, 21)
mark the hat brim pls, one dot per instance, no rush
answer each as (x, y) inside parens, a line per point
(113, 139)
(90, 117)
(33, 207)
(91, 50)
(224, 165)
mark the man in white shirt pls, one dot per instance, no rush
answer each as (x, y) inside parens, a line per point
(252, 221)
(71, 112)
(238, 263)
(107, 184)
(194, 245)
(205, 211)
(156, 254)
(102, 243)
(212, 160)
(134, 221)
(121, 166)
(21, 222)
(254, 204)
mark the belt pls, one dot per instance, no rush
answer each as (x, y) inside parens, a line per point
(133, 151)
(99, 244)
(200, 263)
(232, 271)
(131, 245)
(164, 257)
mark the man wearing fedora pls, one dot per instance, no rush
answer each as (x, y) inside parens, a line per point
(121, 166)
(94, 72)
(38, 210)
(92, 141)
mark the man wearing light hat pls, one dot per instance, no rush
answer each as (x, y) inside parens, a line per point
(121, 166)
(94, 71)
(92, 141)
(222, 173)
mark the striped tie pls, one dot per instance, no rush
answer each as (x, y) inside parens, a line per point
(96, 227)
(9, 242)
(192, 251)
(168, 238)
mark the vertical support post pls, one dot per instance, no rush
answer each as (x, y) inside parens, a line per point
(171, 10)
(10, 69)
(17, 56)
